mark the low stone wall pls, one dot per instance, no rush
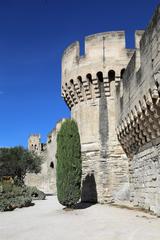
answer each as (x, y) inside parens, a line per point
(46, 179)
(145, 179)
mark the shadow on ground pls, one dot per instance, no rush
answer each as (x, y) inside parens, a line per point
(83, 205)
(78, 206)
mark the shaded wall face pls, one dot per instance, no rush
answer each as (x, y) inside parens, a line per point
(115, 169)
(89, 189)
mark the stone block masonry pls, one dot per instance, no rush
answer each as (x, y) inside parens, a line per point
(145, 179)
(88, 87)
(114, 96)
(138, 118)
(114, 87)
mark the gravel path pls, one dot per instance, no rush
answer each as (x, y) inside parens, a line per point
(48, 221)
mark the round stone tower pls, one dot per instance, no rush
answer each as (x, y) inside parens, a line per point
(88, 87)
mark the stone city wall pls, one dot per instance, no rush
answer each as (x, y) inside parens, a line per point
(138, 117)
(46, 179)
(145, 179)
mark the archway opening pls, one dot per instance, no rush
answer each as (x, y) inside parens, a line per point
(111, 75)
(52, 164)
(100, 76)
(89, 77)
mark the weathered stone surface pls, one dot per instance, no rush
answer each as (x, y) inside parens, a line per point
(88, 87)
(138, 101)
(114, 94)
(102, 96)
(46, 180)
(145, 179)
(138, 118)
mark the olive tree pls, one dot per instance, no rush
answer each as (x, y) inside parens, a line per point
(17, 161)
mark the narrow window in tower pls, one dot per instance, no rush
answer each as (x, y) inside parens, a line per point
(52, 164)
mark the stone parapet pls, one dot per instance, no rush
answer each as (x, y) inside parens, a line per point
(104, 60)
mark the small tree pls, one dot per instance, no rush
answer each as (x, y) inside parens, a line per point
(69, 167)
(17, 161)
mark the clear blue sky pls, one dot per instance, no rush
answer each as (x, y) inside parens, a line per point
(33, 36)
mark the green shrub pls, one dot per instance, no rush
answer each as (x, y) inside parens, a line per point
(13, 196)
(68, 164)
(35, 193)
(10, 203)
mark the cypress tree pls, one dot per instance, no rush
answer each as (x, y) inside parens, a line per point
(69, 166)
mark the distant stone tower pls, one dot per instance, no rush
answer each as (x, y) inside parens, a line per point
(34, 143)
(46, 179)
(88, 87)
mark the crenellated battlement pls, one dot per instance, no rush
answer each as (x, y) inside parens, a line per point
(105, 59)
(94, 43)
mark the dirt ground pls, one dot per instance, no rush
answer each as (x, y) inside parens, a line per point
(48, 221)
